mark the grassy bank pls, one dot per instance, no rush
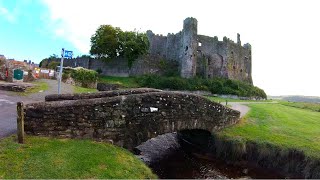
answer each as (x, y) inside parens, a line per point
(38, 86)
(214, 85)
(49, 158)
(78, 89)
(220, 99)
(126, 82)
(302, 105)
(280, 125)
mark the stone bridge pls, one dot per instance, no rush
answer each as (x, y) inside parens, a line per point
(125, 117)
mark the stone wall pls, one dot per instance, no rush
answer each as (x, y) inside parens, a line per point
(203, 55)
(127, 120)
(61, 97)
(2, 72)
(147, 64)
(195, 55)
(16, 87)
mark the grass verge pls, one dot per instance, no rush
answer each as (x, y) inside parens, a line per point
(38, 86)
(220, 99)
(302, 105)
(78, 89)
(127, 82)
(283, 126)
(48, 158)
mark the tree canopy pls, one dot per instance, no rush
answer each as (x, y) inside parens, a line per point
(110, 42)
(45, 62)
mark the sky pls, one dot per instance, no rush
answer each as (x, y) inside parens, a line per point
(284, 35)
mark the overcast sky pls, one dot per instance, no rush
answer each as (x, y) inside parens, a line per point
(284, 34)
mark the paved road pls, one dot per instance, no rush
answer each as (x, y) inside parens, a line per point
(8, 113)
(8, 101)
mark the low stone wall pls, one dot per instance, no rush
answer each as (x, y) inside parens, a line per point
(107, 87)
(16, 87)
(126, 120)
(61, 97)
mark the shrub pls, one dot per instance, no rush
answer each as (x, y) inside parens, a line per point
(99, 71)
(215, 85)
(65, 76)
(84, 76)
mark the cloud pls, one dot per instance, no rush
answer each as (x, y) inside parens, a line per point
(284, 34)
(79, 20)
(7, 15)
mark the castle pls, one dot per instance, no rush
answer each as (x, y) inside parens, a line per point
(193, 55)
(202, 55)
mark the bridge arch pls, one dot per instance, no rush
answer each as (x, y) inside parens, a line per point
(127, 119)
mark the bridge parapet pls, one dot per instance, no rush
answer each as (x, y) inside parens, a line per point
(127, 120)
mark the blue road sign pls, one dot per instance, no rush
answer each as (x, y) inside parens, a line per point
(68, 54)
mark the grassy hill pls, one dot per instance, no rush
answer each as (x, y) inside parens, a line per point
(47, 158)
(310, 99)
(281, 125)
(214, 85)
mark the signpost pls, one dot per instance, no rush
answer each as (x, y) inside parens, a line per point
(64, 54)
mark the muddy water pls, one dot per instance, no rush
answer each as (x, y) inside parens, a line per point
(186, 165)
(190, 161)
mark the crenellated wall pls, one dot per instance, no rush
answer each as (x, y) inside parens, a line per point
(195, 55)
(203, 55)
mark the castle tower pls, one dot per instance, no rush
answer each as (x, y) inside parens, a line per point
(189, 47)
(238, 39)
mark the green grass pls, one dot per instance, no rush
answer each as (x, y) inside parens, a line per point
(126, 82)
(220, 99)
(280, 125)
(302, 105)
(38, 86)
(78, 89)
(48, 158)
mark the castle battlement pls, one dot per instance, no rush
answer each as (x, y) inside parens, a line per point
(203, 55)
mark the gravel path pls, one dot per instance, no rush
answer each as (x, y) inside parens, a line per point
(241, 106)
(8, 102)
(53, 89)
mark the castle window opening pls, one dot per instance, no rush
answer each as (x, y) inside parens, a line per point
(186, 48)
(234, 67)
(240, 70)
(199, 44)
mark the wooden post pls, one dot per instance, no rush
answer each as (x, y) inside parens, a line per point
(20, 122)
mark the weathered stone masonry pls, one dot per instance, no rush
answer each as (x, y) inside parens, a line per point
(126, 120)
(194, 55)
(203, 55)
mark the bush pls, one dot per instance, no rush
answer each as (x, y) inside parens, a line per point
(99, 71)
(65, 76)
(84, 76)
(215, 85)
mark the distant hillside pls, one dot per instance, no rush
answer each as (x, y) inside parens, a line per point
(311, 99)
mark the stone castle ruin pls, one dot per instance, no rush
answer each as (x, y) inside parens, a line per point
(202, 55)
(190, 53)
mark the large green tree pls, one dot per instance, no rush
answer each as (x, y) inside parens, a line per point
(110, 42)
(45, 62)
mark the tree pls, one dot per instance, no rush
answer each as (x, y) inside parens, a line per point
(109, 42)
(53, 65)
(44, 63)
